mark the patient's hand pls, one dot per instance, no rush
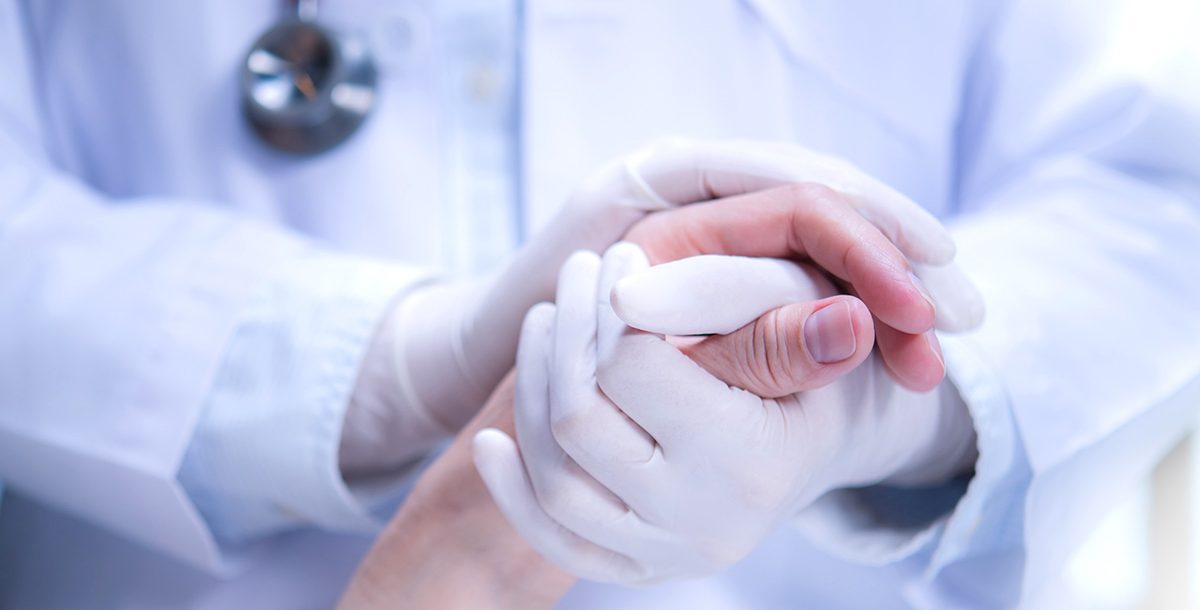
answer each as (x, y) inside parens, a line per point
(449, 547)
(815, 224)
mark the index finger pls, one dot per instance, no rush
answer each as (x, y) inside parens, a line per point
(679, 171)
(797, 220)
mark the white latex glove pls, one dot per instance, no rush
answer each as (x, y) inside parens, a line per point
(438, 355)
(637, 465)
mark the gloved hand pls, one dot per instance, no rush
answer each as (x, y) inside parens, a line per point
(444, 347)
(638, 465)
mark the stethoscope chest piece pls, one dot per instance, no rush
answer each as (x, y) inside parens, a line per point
(305, 89)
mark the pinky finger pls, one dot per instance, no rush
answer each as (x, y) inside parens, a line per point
(499, 465)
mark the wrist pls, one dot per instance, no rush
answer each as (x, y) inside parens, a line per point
(386, 425)
(478, 548)
(515, 575)
(450, 547)
(439, 563)
(434, 356)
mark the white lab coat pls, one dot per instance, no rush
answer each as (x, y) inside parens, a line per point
(138, 218)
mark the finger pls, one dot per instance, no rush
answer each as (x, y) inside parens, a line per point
(800, 220)
(779, 347)
(574, 337)
(959, 305)
(623, 261)
(499, 465)
(914, 361)
(570, 496)
(713, 293)
(586, 425)
(531, 395)
(791, 349)
(710, 294)
(683, 171)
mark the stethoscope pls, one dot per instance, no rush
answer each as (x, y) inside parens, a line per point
(305, 87)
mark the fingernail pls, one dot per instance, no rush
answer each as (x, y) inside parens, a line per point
(936, 346)
(829, 334)
(920, 286)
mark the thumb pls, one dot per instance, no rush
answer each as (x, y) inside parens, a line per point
(773, 336)
(791, 349)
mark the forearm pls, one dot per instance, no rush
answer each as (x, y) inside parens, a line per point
(449, 547)
(453, 560)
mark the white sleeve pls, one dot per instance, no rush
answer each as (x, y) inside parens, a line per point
(123, 323)
(1079, 195)
(265, 452)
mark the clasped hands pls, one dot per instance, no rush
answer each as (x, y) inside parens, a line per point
(640, 457)
(667, 417)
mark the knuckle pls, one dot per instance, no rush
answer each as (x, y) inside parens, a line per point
(809, 207)
(809, 191)
(638, 232)
(567, 427)
(766, 356)
(576, 436)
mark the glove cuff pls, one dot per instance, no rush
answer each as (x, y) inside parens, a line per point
(410, 388)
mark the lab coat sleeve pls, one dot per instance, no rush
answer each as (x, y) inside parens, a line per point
(265, 452)
(133, 329)
(1079, 153)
